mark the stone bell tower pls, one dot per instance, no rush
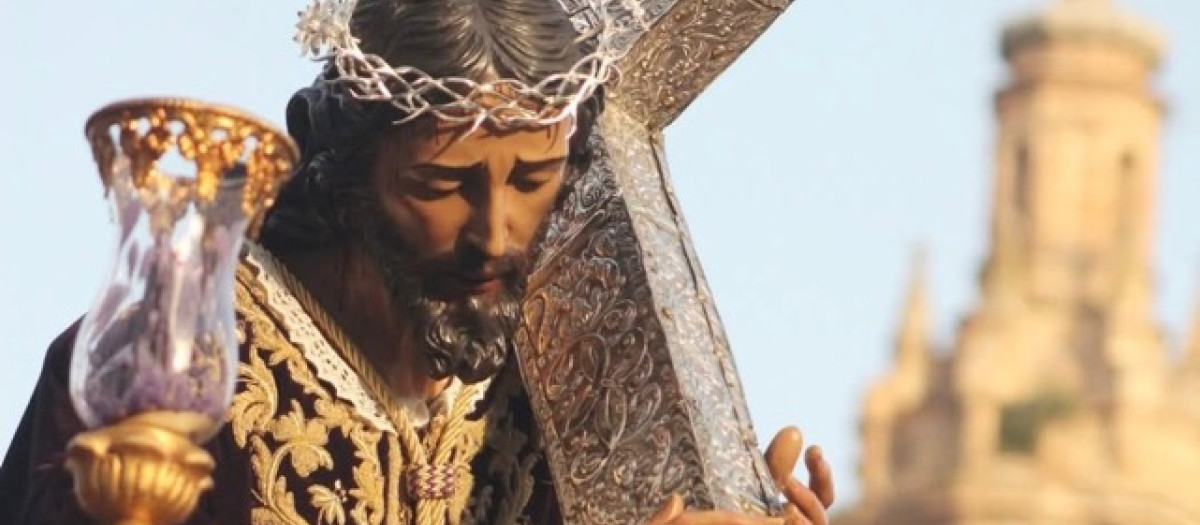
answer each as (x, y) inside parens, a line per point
(1057, 403)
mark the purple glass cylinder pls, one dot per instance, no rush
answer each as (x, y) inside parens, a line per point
(160, 335)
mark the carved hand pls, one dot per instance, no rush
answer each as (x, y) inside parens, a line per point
(806, 505)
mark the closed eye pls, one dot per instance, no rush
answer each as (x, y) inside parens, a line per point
(527, 177)
(431, 181)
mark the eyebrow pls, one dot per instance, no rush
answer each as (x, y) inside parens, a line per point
(530, 165)
(446, 168)
(521, 165)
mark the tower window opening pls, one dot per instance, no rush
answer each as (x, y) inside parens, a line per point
(1126, 183)
(1021, 183)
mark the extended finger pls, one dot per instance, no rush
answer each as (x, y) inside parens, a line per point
(670, 510)
(794, 516)
(724, 517)
(806, 501)
(782, 454)
(820, 475)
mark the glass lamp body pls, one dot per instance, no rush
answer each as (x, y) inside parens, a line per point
(161, 334)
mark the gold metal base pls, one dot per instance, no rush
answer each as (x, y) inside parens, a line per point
(145, 470)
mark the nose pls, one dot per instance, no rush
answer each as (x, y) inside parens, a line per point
(487, 232)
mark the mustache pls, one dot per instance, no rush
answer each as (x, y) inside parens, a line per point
(512, 261)
(444, 271)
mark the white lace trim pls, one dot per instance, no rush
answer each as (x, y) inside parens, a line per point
(329, 366)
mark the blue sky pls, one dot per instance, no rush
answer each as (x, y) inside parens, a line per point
(851, 131)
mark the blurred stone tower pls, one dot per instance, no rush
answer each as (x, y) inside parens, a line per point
(1059, 402)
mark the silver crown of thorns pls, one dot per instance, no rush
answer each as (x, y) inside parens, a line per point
(323, 32)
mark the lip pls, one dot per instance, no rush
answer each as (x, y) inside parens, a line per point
(485, 286)
(479, 284)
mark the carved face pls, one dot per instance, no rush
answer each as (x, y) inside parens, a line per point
(458, 211)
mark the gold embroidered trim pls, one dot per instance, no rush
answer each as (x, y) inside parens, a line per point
(275, 438)
(451, 442)
(262, 273)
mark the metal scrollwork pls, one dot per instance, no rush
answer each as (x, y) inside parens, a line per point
(691, 44)
(601, 388)
(627, 369)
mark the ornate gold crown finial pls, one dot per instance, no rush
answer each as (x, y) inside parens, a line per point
(217, 140)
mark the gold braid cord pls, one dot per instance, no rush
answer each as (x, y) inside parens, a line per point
(289, 421)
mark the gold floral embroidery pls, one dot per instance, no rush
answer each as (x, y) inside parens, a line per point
(305, 441)
(369, 508)
(329, 504)
(255, 405)
(279, 432)
(288, 435)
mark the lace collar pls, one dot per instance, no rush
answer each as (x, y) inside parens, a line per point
(284, 297)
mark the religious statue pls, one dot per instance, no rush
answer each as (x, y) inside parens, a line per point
(379, 306)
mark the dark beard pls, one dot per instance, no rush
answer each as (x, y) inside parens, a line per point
(468, 336)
